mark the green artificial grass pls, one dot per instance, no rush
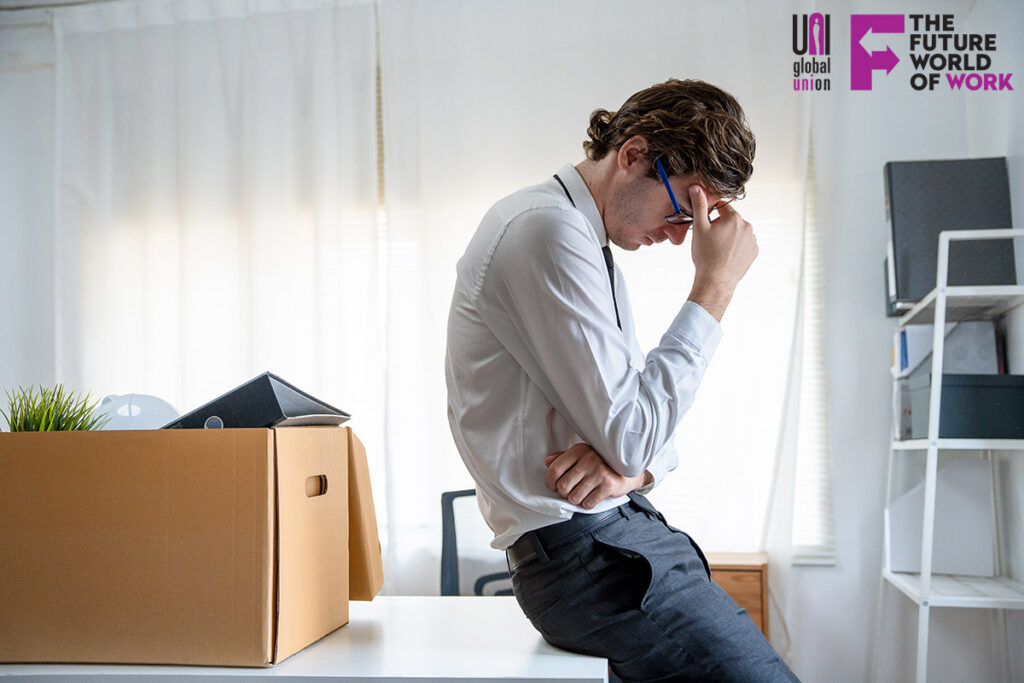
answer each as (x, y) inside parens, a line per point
(51, 410)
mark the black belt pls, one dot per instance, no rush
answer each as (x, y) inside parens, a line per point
(534, 544)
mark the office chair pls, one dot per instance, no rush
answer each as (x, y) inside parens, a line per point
(450, 551)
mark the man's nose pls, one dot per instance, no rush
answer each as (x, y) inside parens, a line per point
(675, 233)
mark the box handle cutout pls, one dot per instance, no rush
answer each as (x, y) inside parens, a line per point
(316, 485)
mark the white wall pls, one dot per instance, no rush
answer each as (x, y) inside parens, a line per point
(836, 609)
(999, 125)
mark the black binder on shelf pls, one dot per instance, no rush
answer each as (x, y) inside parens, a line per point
(893, 306)
(264, 401)
(923, 198)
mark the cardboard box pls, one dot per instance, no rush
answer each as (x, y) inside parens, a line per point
(215, 547)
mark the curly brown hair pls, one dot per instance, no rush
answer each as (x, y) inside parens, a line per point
(696, 128)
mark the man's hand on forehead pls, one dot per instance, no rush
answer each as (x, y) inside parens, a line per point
(722, 256)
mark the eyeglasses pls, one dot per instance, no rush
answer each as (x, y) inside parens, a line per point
(681, 216)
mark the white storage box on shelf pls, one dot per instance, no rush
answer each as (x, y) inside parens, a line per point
(963, 534)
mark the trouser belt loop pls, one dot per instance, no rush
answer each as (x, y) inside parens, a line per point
(645, 505)
(538, 548)
(517, 555)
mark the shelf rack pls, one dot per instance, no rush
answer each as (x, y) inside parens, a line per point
(983, 302)
(944, 304)
(960, 445)
(961, 591)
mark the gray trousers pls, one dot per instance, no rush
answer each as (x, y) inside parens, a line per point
(638, 592)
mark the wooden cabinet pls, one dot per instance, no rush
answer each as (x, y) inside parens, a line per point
(744, 576)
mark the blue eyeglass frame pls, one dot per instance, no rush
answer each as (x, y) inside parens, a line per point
(680, 216)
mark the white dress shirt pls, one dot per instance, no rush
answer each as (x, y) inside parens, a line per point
(536, 362)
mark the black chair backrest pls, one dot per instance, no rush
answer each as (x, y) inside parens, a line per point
(450, 550)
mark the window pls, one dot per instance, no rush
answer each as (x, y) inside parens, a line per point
(813, 535)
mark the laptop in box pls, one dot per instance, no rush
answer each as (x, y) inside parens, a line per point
(264, 401)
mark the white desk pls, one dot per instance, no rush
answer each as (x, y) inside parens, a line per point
(393, 638)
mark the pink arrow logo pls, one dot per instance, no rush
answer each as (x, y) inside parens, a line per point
(862, 60)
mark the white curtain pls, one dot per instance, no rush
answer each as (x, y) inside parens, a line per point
(217, 192)
(216, 197)
(483, 98)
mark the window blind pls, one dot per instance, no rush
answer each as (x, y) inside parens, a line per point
(813, 529)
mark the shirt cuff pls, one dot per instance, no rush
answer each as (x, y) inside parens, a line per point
(698, 328)
(658, 469)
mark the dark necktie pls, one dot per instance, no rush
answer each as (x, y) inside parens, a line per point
(611, 278)
(608, 261)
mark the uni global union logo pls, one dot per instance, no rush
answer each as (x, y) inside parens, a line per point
(813, 45)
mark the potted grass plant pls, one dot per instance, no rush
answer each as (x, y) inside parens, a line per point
(51, 410)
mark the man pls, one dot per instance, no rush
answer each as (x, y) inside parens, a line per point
(557, 413)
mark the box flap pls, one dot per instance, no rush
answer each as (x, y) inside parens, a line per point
(365, 569)
(312, 495)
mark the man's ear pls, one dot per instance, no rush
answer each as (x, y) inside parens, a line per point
(632, 152)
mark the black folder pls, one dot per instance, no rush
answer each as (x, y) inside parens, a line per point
(923, 198)
(264, 401)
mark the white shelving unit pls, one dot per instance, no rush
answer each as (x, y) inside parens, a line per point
(949, 304)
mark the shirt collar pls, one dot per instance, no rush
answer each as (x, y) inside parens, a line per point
(584, 200)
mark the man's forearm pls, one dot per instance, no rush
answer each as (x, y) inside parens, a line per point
(712, 298)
